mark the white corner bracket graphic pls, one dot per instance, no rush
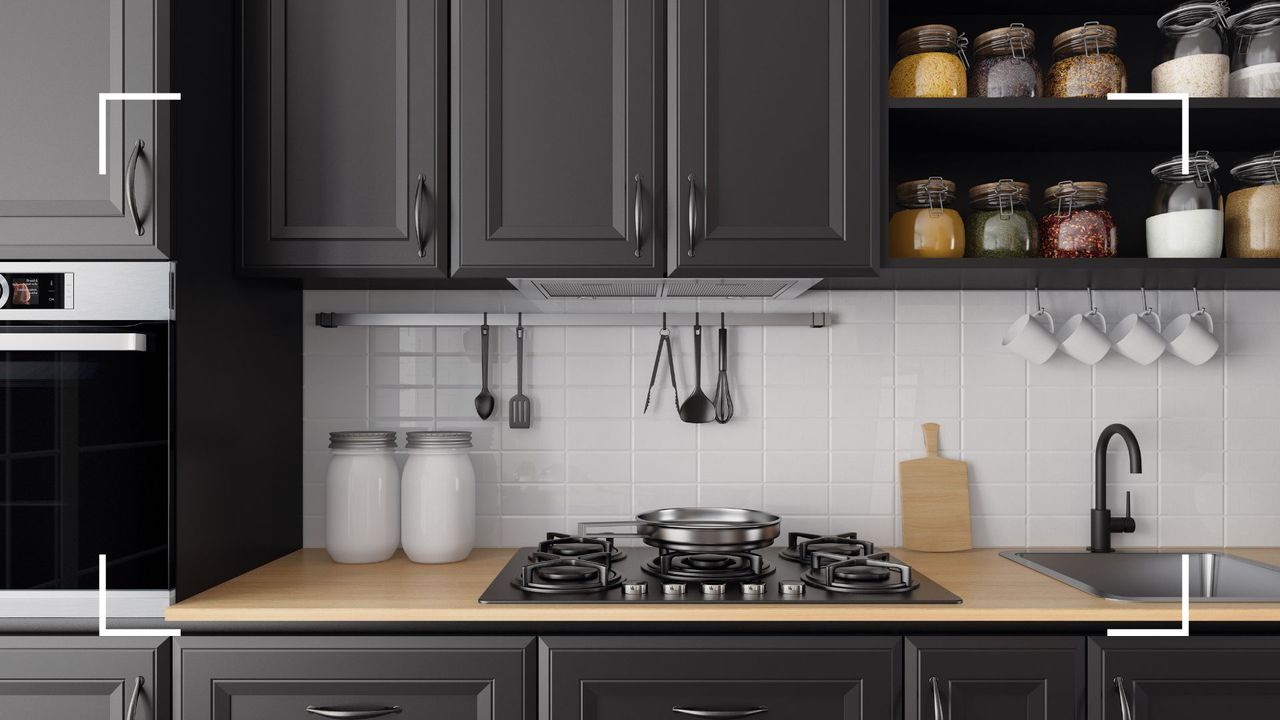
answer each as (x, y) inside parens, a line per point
(103, 98)
(102, 611)
(1183, 98)
(1185, 630)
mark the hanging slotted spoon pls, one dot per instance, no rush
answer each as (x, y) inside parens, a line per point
(521, 409)
(697, 408)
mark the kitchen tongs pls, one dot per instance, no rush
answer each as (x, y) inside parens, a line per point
(664, 341)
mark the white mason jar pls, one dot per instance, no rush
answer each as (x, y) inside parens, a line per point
(438, 506)
(362, 492)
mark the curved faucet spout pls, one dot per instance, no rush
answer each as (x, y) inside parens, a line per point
(1101, 523)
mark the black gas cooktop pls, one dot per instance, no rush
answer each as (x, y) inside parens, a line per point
(809, 570)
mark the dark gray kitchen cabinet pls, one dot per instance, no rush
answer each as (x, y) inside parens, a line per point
(56, 57)
(774, 108)
(342, 145)
(995, 678)
(644, 678)
(437, 678)
(556, 154)
(84, 678)
(1184, 678)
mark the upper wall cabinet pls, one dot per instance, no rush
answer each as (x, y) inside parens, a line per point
(56, 57)
(774, 115)
(557, 138)
(342, 147)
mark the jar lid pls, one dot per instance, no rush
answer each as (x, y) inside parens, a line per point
(1257, 17)
(362, 440)
(931, 38)
(1195, 15)
(437, 439)
(1090, 38)
(993, 192)
(1016, 39)
(1261, 170)
(930, 192)
(1069, 194)
(1201, 165)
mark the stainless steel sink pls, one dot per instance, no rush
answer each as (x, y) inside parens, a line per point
(1157, 576)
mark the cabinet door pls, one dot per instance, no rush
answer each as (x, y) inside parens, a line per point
(259, 678)
(816, 678)
(56, 57)
(555, 138)
(84, 678)
(1184, 678)
(999, 678)
(774, 110)
(342, 143)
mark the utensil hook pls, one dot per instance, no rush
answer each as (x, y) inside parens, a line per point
(1093, 310)
(1148, 311)
(1200, 309)
(721, 321)
(1042, 313)
(665, 331)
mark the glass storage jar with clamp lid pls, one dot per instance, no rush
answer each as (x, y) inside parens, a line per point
(1253, 211)
(999, 224)
(1078, 224)
(1086, 64)
(926, 226)
(931, 63)
(1005, 64)
(1186, 218)
(1195, 58)
(1255, 55)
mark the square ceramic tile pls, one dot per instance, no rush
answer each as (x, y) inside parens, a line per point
(796, 434)
(655, 497)
(928, 306)
(862, 339)
(533, 467)
(862, 401)
(1060, 402)
(598, 467)
(993, 306)
(598, 500)
(666, 467)
(743, 496)
(730, 467)
(598, 434)
(863, 306)
(796, 467)
(928, 339)
(927, 371)
(995, 402)
(998, 499)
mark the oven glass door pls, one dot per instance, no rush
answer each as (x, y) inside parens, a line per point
(85, 460)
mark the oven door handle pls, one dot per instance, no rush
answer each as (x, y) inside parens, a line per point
(72, 342)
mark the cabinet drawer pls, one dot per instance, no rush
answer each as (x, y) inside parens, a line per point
(404, 678)
(84, 678)
(686, 678)
(995, 678)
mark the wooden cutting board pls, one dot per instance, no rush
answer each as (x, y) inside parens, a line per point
(935, 500)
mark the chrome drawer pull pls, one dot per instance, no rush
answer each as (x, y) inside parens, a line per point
(1126, 712)
(937, 700)
(130, 198)
(719, 713)
(133, 699)
(639, 216)
(354, 712)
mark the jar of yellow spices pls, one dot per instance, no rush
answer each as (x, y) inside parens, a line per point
(1086, 63)
(1253, 211)
(926, 226)
(931, 64)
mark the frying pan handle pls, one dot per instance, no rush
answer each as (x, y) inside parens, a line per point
(584, 529)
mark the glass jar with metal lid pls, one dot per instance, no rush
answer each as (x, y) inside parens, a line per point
(1253, 211)
(926, 226)
(1086, 64)
(1186, 218)
(1255, 56)
(1005, 64)
(1077, 224)
(362, 497)
(438, 509)
(931, 63)
(1195, 58)
(999, 224)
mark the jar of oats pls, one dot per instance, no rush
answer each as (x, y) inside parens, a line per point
(1195, 59)
(931, 63)
(1255, 60)
(1085, 63)
(1253, 211)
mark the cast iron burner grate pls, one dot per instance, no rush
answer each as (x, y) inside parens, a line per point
(868, 574)
(681, 566)
(552, 574)
(562, 545)
(800, 546)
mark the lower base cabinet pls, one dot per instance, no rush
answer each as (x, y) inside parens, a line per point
(995, 678)
(407, 678)
(84, 678)
(719, 678)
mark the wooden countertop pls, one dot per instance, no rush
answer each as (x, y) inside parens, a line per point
(306, 586)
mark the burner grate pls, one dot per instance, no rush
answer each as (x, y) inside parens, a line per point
(548, 573)
(865, 574)
(717, 567)
(801, 546)
(564, 545)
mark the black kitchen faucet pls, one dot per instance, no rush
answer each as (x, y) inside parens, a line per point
(1101, 524)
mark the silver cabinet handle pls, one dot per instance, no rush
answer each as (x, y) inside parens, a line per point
(130, 197)
(937, 700)
(423, 235)
(72, 342)
(693, 210)
(639, 212)
(719, 713)
(1126, 711)
(354, 712)
(133, 699)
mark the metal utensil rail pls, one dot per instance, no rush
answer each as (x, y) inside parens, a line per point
(334, 320)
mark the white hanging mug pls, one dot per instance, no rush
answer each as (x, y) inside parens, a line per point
(1029, 338)
(1188, 339)
(1084, 337)
(1138, 337)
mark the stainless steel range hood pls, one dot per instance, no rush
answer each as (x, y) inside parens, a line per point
(562, 288)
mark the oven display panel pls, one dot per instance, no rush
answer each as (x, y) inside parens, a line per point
(27, 291)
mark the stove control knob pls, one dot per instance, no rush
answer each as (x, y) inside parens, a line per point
(635, 589)
(673, 588)
(791, 588)
(712, 588)
(753, 588)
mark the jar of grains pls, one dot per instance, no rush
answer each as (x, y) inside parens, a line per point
(926, 226)
(931, 63)
(1086, 64)
(1255, 60)
(1195, 59)
(1005, 64)
(1186, 219)
(999, 224)
(1253, 211)
(1078, 224)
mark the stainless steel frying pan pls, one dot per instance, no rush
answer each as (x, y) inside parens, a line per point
(696, 529)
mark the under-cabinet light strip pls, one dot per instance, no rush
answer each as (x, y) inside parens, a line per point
(332, 320)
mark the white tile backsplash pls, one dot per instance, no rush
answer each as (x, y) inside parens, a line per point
(822, 416)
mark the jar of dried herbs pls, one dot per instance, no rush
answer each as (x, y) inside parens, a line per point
(1253, 211)
(1005, 64)
(926, 226)
(999, 224)
(1255, 60)
(1195, 59)
(931, 63)
(1077, 224)
(1086, 64)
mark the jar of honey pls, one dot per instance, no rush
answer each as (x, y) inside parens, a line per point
(926, 226)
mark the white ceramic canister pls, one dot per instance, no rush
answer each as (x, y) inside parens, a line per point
(362, 491)
(438, 506)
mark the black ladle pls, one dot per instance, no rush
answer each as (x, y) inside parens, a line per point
(697, 408)
(484, 401)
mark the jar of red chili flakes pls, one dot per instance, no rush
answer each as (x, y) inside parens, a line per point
(1077, 224)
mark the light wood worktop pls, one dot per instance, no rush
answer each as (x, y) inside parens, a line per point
(306, 586)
